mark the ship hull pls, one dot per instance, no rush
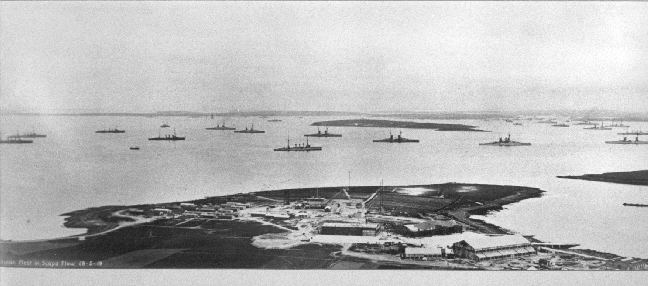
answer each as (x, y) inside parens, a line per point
(167, 139)
(397, 141)
(119, 131)
(250, 132)
(505, 144)
(633, 133)
(28, 136)
(627, 142)
(299, 149)
(220, 128)
(16, 141)
(323, 135)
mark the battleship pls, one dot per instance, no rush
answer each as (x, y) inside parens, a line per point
(626, 141)
(28, 135)
(617, 125)
(596, 127)
(164, 125)
(637, 132)
(15, 139)
(325, 134)
(398, 139)
(251, 130)
(172, 137)
(560, 125)
(299, 147)
(221, 127)
(505, 142)
(111, 131)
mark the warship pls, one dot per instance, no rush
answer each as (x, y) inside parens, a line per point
(251, 130)
(299, 147)
(637, 132)
(325, 134)
(111, 131)
(626, 141)
(28, 135)
(560, 125)
(15, 139)
(134, 148)
(505, 142)
(164, 125)
(620, 124)
(585, 123)
(274, 120)
(221, 127)
(596, 127)
(172, 137)
(398, 139)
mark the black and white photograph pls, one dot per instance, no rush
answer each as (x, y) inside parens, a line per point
(467, 139)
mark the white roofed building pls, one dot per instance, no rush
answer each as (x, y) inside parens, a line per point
(492, 247)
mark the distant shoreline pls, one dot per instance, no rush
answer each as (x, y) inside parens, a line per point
(397, 124)
(639, 178)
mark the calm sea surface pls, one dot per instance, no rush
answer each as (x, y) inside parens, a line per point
(75, 168)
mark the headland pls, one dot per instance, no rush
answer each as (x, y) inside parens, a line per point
(630, 178)
(396, 124)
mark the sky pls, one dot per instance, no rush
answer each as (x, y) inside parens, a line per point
(337, 56)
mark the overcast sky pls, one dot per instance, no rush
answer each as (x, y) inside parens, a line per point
(219, 56)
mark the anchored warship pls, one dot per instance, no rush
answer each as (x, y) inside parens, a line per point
(398, 139)
(164, 125)
(325, 134)
(221, 127)
(560, 125)
(111, 131)
(251, 130)
(172, 137)
(626, 141)
(505, 142)
(637, 132)
(15, 139)
(299, 147)
(596, 127)
(28, 135)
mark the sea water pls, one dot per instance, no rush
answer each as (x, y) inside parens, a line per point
(76, 168)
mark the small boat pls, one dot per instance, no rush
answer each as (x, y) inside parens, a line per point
(134, 148)
(164, 125)
(398, 139)
(505, 142)
(299, 147)
(325, 134)
(172, 137)
(626, 141)
(251, 130)
(115, 130)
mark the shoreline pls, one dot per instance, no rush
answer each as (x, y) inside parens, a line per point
(133, 237)
(638, 178)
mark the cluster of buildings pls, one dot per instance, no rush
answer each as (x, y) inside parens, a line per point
(228, 210)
